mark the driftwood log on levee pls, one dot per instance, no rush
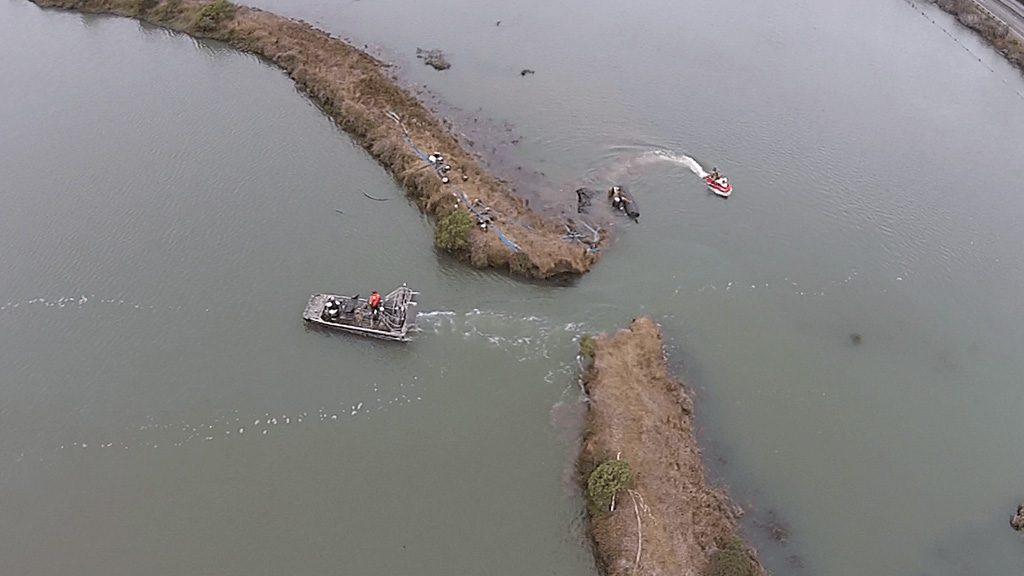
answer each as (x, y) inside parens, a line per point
(356, 91)
(651, 510)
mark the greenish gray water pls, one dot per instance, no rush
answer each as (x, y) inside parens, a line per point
(170, 205)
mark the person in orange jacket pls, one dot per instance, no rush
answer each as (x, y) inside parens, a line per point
(374, 303)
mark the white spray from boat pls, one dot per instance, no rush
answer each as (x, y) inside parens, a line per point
(679, 159)
(623, 165)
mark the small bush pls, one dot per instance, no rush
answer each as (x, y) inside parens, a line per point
(732, 560)
(166, 11)
(211, 15)
(452, 231)
(519, 264)
(587, 345)
(607, 480)
(479, 258)
(138, 7)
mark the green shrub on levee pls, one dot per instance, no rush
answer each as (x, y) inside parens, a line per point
(211, 15)
(452, 231)
(587, 345)
(732, 560)
(607, 480)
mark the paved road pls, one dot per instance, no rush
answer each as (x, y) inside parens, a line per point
(1009, 12)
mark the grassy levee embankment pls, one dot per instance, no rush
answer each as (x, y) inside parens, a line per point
(997, 34)
(354, 89)
(667, 520)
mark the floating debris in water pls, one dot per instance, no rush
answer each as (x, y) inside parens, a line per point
(434, 58)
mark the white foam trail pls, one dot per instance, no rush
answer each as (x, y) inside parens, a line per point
(683, 159)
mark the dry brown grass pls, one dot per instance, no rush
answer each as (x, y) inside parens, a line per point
(641, 415)
(354, 89)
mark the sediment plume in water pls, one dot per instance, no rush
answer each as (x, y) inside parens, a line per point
(356, 91)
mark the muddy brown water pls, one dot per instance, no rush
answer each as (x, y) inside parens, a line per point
(170, 205)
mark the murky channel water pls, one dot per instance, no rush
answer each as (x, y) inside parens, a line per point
(170, 205)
